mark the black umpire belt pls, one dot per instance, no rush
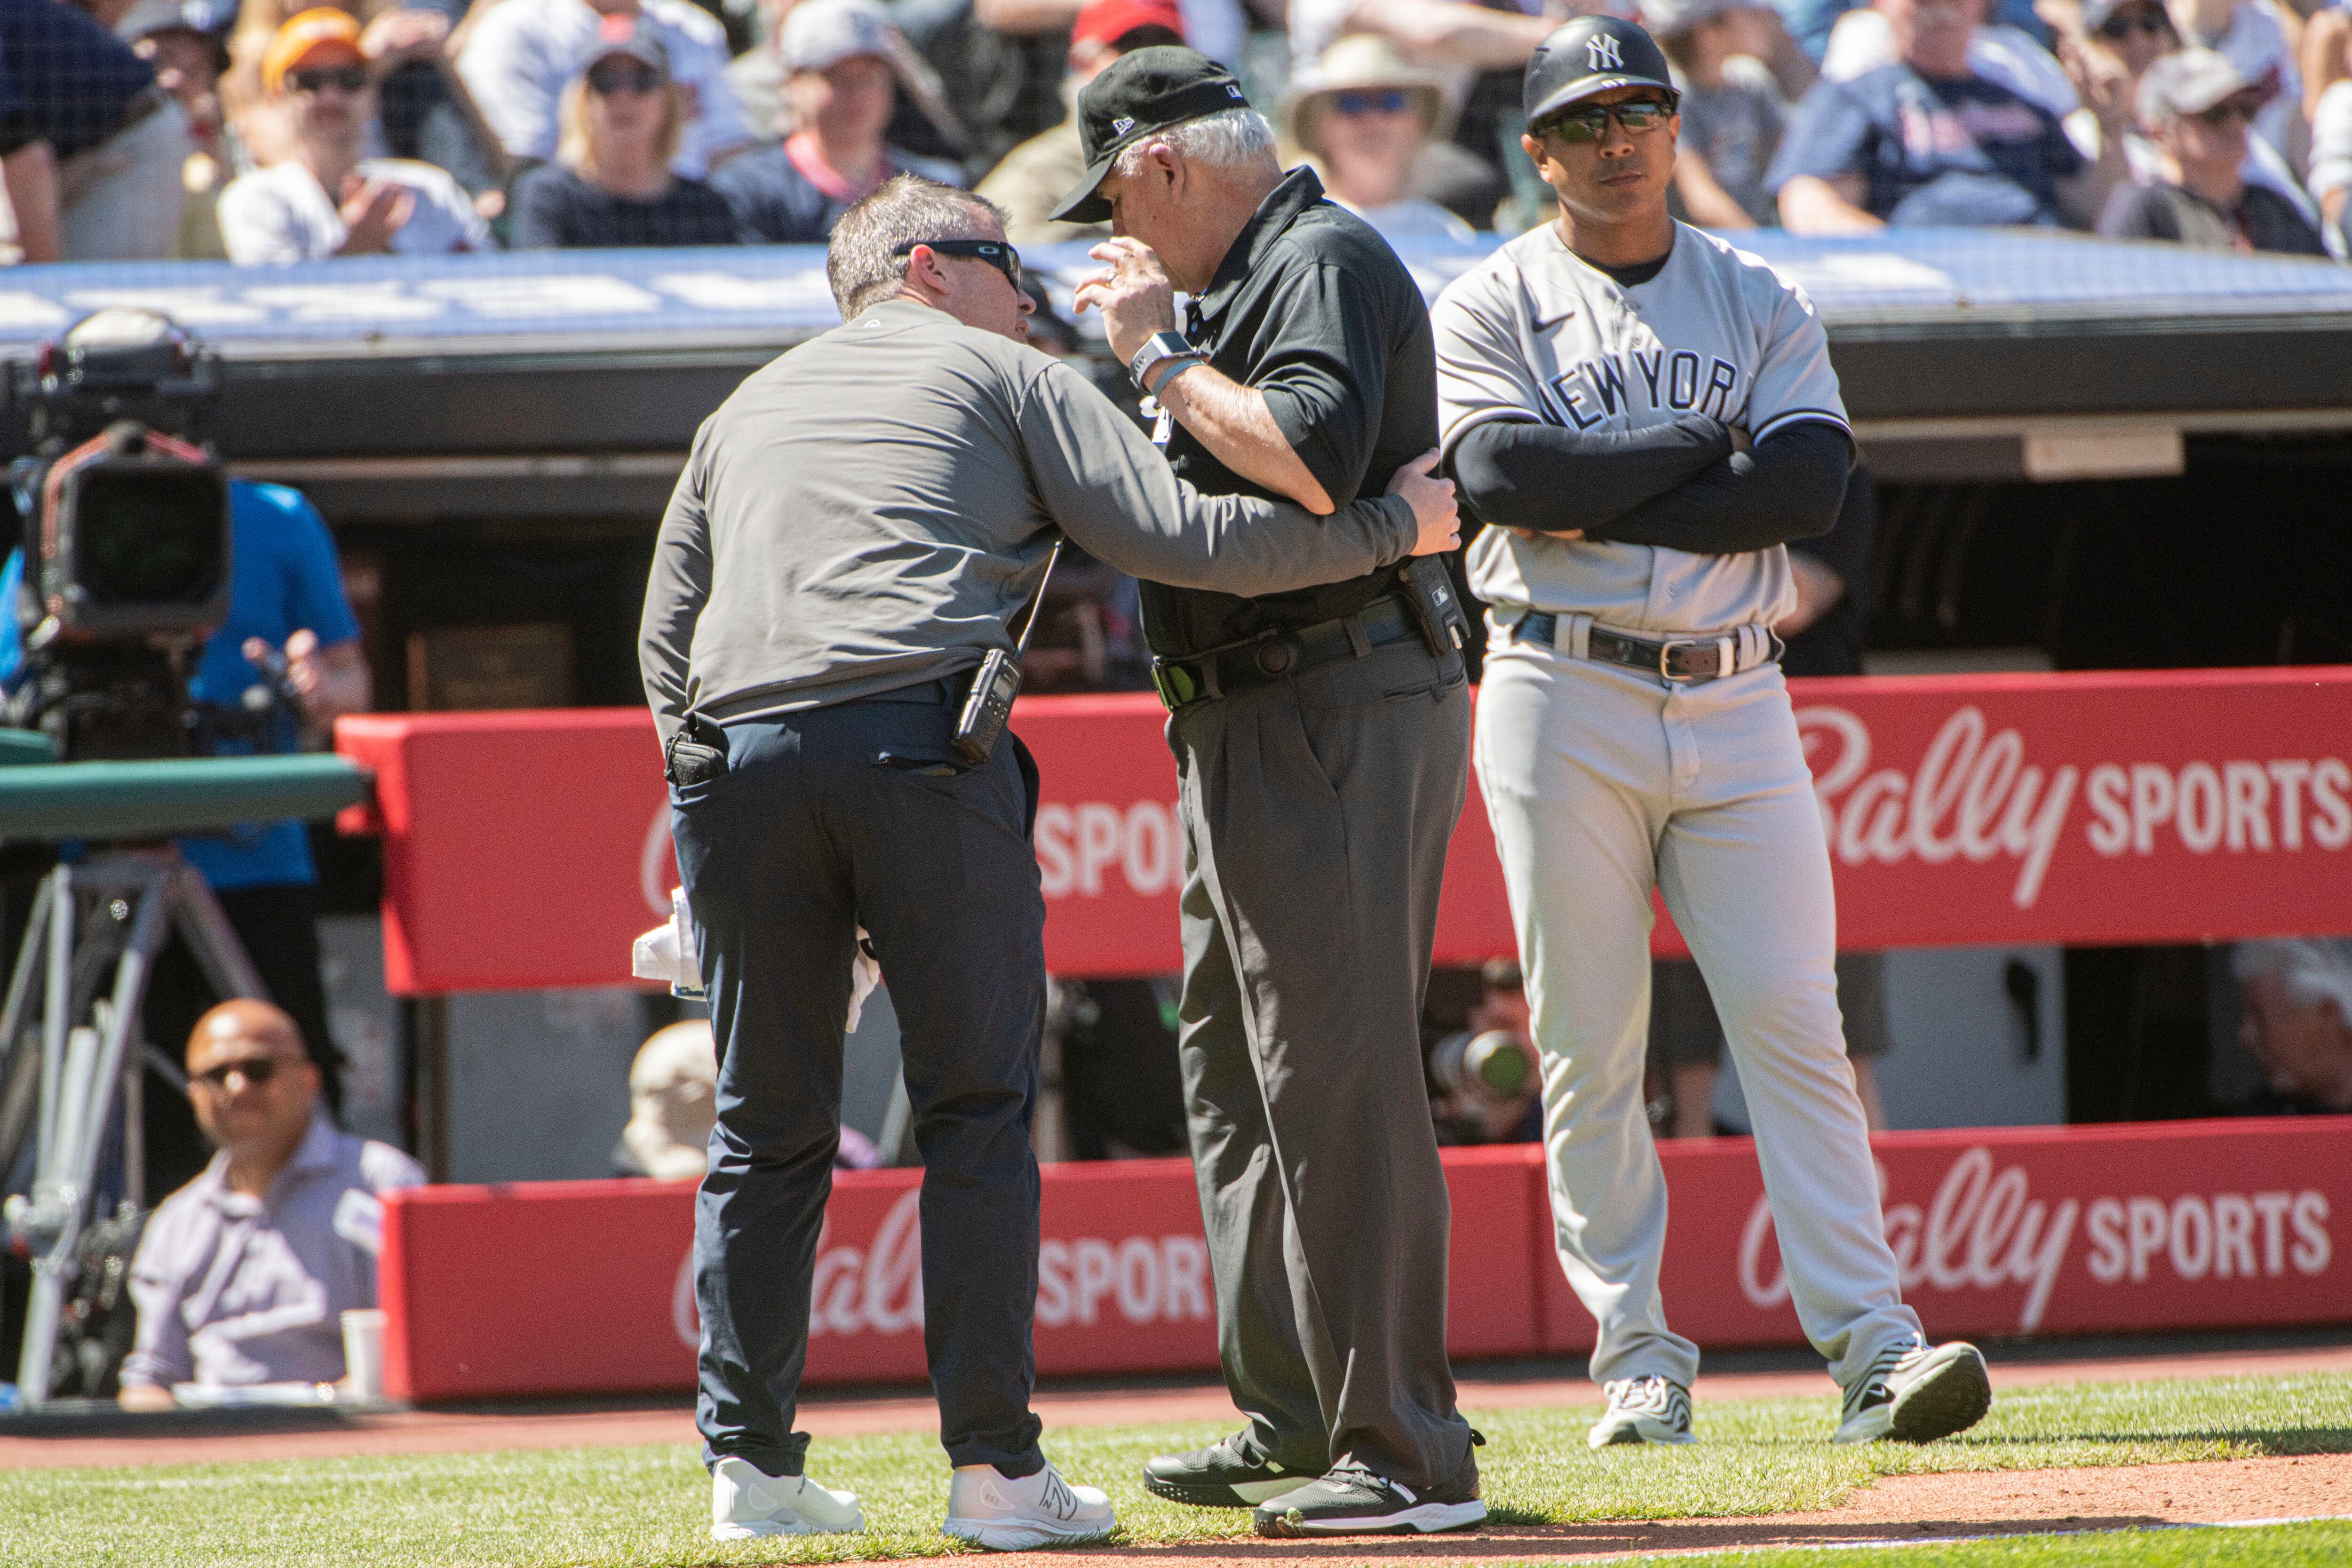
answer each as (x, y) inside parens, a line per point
(1678, 661)
(1277, 655)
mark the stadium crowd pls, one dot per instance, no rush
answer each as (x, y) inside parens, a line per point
(267, 132)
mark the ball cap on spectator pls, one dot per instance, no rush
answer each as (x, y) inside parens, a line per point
(2188, 81)
(1590, 55)
(148, 17)
(618, 36)
(1138, 96)
(1108, 21)
(320, 37)
(821, 34)
(1664, 18)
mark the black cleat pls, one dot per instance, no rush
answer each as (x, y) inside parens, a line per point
(1227, 1474)
(1349, 1500)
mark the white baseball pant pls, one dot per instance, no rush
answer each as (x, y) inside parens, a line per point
(1602, 782)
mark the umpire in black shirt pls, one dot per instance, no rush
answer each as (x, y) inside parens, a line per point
(1322, 739)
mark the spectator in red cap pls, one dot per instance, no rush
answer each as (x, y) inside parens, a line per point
(1034, 177)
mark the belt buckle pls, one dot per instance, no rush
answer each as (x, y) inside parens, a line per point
(1665, 660)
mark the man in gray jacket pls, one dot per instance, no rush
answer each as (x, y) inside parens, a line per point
(854, 530)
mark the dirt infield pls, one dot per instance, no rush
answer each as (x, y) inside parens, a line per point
(108, 1439)
(1898, 1508)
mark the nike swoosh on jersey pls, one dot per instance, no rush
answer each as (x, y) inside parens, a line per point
(1541, 325)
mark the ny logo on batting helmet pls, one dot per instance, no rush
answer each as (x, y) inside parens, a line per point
(1601, 53)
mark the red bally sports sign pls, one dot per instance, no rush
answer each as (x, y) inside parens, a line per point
(576, 1287)
(527, 850)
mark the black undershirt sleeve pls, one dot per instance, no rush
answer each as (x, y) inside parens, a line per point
(1788, 487)
(1519, 474)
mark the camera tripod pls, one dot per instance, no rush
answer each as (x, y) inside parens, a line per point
(93, 935)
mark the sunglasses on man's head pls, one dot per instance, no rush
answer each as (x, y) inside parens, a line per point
(619, 76)
(350, 78)
(2240, 108)
(2123, 24)
(995, 252)
(1591, 123)
(254, 1070)
(1394, 100)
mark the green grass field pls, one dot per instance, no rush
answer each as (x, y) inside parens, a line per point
(649, 1505)
(2268, 1546)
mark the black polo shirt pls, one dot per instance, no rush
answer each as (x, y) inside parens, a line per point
(1312, 309)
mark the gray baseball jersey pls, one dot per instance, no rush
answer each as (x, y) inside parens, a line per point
(1534, 333)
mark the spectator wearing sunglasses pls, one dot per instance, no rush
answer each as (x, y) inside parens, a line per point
(1928, 140)
(243, 1275)
(2252, 35)
(326, 200)
(1031, 180)
(1367, 115)
(2196, 107)
(611, 183)
(842, 89)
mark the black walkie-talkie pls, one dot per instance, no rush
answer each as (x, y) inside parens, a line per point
(990, 705)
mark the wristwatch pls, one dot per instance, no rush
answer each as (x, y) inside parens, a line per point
(1157, 347)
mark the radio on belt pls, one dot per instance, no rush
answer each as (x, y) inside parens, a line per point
(998, 682)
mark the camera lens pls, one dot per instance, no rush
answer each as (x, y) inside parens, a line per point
(149, 536)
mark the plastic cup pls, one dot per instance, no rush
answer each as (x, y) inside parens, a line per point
(363, 1353)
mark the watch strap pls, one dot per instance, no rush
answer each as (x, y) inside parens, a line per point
(1158, 346)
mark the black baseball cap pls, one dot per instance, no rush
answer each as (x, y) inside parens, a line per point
(1590, 55)
(1140, 95)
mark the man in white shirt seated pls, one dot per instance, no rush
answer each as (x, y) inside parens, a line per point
(523, 53)
(326, 200)
(243, 1275)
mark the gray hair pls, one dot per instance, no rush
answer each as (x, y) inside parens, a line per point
(2314, 967)
(858, 263)
(1230, 139)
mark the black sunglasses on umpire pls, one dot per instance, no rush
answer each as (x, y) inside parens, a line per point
(255, 1070)
(995, 252)
(1592, 123)
(607, 79)
(350, 78)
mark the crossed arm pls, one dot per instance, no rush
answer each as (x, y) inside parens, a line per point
(1683, 484)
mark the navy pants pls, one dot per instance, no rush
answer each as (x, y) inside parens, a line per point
(826, 819)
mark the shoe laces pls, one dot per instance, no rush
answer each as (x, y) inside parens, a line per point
(1636, 1393)
(1356, 1473)
(1884, 1366)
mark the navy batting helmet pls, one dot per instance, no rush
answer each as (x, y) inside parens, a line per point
(1590, 55)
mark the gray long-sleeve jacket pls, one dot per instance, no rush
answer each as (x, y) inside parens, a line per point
(868, 512)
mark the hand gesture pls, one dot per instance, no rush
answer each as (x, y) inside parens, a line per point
(1434, 505)
(306, 674)
(398, 35)
(1134, 294)
(372, 212)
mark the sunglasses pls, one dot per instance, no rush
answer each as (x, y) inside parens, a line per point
(2239, 108)
(350, 78)
(255, 1070)
(608, 80)
(995, 252)
(2154, 23)
(1394, 100)
(1590, 125)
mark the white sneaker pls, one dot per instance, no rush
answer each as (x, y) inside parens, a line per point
(746, 1503)
(986, 1507)
(1914, 1391)
(1643, 1410)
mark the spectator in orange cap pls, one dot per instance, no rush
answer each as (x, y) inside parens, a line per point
(1034, 177)
(326, 200)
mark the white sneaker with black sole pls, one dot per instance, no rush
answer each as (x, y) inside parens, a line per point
(1349, 1499)
(1006, 1513)
(747, 1503)
(1916, 1392)
(1643, 1410)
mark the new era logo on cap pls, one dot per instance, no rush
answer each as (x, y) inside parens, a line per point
(1601, 53)
(1123, 124)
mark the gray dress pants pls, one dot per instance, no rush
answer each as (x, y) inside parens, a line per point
(1317, 812)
